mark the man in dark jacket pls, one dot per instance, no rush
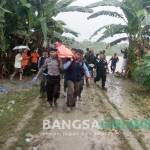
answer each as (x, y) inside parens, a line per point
(75, 70)
(114, 59)
(90, 60)
(101, 69)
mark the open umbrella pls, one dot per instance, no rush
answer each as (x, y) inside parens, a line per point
(21, 47)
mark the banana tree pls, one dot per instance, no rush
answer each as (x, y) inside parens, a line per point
(48, 9)
(133, 27)
(31, 18)
(134, 16)
(3, 11)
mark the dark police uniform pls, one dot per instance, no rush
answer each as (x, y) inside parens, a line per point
(101, 71)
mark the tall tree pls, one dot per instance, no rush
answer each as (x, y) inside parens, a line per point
(32, 21)
(134, 22)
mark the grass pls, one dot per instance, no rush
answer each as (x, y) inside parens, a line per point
(142, 100)
(11, 114)
(33, 127)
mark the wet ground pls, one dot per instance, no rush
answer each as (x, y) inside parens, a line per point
(7, 86)
(90, 109)
(96, 104)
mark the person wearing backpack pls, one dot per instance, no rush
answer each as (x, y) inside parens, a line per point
(75, 70)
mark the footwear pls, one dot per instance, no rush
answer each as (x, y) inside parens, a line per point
(41, 96)
(79, 99)
(68, 109)
(64, 94)
(72, 108)
(55, 103)
(11, 78)
(51, 109)
(104, 88)
(51, 104)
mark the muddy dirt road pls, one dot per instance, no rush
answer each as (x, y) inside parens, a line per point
(96, 104)
(91, 109)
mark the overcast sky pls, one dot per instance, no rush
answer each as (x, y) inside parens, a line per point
(78, 21)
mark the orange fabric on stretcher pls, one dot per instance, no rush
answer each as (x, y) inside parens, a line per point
(63, 52)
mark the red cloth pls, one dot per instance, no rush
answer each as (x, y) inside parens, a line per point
(63, 52)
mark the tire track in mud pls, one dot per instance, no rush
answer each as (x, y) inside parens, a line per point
(129, 135)
(119, 95)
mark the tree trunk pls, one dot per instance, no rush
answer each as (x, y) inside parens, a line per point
(131, 57)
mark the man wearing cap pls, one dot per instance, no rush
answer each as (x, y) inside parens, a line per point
(75, 70)
(52, 64)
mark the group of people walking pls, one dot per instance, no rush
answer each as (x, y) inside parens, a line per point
(75, 70)
(24, 60)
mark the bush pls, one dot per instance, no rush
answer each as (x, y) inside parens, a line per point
(142, 72)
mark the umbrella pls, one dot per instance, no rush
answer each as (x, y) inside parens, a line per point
(21, 47)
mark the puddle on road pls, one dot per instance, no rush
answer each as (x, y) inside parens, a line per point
(16, 86)
(4, 90)
(118, 94)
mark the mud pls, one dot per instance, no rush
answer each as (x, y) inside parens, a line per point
(90, 108)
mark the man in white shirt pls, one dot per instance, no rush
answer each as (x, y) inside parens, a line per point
(17, 65)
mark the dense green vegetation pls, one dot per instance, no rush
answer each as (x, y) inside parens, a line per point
(135, 19)
(99, 46)
(31, 22)
(12, 108)
(136, 26)
(142, 71)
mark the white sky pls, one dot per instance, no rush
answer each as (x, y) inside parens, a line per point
(78, 21)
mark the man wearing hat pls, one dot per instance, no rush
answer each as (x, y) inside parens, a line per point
(52, 64)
